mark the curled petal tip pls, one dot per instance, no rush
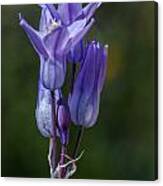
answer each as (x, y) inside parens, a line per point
(92, 20)
(19, 16)
(41, 5)
(106, 49)
(98, 45)
(99, 4)
(21, 19)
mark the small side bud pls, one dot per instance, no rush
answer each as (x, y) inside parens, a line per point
(63, 123)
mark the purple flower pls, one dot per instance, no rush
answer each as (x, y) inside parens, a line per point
(85, 99)
(53, 41)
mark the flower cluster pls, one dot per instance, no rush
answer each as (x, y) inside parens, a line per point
(60, 42)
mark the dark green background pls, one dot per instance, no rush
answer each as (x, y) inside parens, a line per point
(121, 145)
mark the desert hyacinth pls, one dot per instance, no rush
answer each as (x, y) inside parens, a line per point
(59, 42)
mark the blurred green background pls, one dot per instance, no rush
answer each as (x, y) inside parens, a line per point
(121, 145)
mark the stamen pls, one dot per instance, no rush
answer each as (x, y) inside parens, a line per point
(52, 26)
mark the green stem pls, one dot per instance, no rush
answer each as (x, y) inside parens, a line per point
(62, 160)
(78, 141)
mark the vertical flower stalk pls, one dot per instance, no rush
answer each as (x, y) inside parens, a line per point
(59, 42)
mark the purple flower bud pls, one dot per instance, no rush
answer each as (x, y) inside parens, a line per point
(85, 99)
(63, 122)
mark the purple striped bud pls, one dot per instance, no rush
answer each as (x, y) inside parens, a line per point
(85, 99)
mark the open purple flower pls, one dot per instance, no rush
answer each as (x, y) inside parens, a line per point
(53, 41)
(85, 98)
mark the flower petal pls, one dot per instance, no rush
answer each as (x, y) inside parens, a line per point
(53, 74)
(88, 11)
(88, 72)
(45, 19)
(103, 55)
(61, 40)
(76, 54)
(88, 110)
(76, 27)
(72, 35)
(84, 85)
(68, 12)
(75, 38)
(52, 10)
(68, 36)
(52, 41)
(34, 37)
